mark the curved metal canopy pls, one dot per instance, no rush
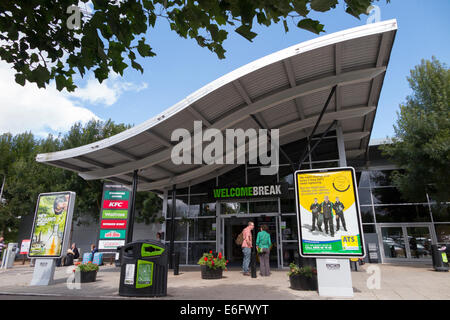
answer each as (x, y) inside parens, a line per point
(285, 90)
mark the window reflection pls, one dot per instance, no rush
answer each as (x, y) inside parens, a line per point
(290, 232)
(393, 243)
(234, 207)
(443, 233)
(202, 229)
(406, 213)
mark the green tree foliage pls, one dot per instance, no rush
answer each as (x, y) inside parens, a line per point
(26, 178)
(39, 39)
(422, 134)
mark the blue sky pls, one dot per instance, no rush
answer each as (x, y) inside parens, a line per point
(181, 66)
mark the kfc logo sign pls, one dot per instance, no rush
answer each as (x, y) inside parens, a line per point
(115, 204)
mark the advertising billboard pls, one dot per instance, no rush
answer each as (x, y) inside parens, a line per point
(328, 215)
(51, 227)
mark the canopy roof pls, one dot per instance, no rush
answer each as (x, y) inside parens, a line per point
(285, 90)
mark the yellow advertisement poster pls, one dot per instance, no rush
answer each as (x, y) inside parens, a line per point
(329, 221)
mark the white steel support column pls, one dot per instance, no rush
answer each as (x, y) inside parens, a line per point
(164, 212)
(341, 145)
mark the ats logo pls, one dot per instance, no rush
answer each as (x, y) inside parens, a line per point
(350, 242)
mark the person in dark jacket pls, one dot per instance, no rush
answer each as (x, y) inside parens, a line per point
(315, 210)
(72, 254)
(339, 210)
(327, 211)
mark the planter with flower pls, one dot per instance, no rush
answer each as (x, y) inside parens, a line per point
(88, 271)
(212, 267)
(302, 278)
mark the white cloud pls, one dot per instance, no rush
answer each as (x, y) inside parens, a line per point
(107, 92)
(44, 111)
(40, 111)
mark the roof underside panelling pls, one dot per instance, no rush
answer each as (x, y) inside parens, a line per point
(286, 90)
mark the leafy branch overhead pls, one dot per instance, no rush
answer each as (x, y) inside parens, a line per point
(40, 41)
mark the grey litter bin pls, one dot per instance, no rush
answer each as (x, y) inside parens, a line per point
(440, 261)
(143, 270)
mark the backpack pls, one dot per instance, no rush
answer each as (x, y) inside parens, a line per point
(240, 238)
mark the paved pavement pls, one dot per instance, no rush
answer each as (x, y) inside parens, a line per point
(396, 282)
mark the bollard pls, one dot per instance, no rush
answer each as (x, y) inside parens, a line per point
(253, 264)
(176, 263)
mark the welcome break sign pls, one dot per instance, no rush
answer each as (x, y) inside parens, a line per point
(114, 215)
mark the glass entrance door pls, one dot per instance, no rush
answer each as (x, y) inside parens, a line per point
(232, 227)
(406, 242)
(419, 240)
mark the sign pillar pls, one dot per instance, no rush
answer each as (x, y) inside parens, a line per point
(50, 234)
(115, 217)
(329, 226)
(334, 275)
(132, 208)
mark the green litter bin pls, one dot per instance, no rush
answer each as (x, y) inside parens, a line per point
(143, 270)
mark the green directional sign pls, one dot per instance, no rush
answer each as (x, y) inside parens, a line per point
(116, 195)
(112, 234)
(114, 214)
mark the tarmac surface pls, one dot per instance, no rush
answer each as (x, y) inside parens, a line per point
(395, 283)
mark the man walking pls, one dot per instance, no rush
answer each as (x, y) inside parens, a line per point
(315, 210)
(327, 210)
(247, 245)
(339, 210)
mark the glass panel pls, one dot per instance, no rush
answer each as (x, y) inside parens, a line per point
(419, 239)
(393, 242)
(196, 250)
(392, 196)
(263, 207)
(203, 187)
(286, 175)
(203, 209)
(441, 213)
(180, 230)
(290, 253)
(291, 230)
(233, 207)
(235, 177)
(443, 233)
(364, 196)
(320, 165)
(366, 214)
(202, 229)
(407, 213)
(362, 179)
(254, 177)
(181, 248)
(380, 178)
(182, 208)
(327, 149)
(369, 228)
(288, 204)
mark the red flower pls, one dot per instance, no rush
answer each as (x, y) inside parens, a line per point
(210, 252)
(212, 262)
(220, 255)
(206, 258)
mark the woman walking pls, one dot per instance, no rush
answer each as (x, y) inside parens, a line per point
(263, 244)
